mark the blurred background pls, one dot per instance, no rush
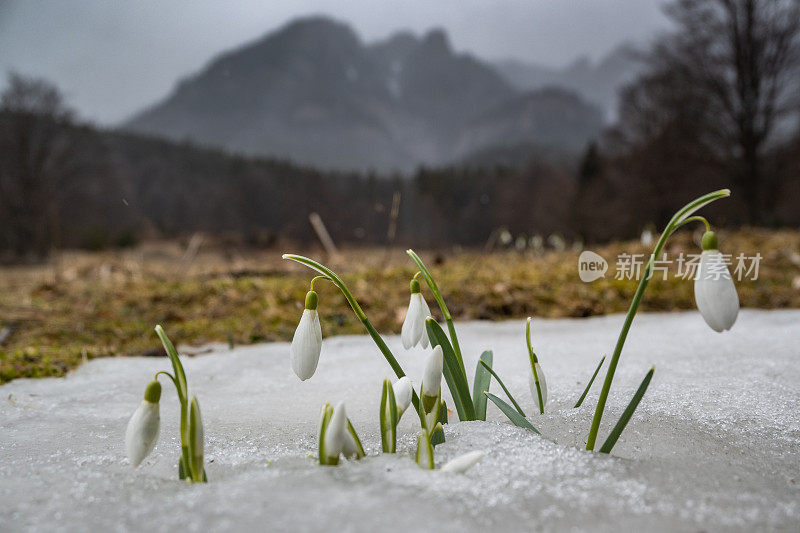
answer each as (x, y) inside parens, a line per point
(156, 158)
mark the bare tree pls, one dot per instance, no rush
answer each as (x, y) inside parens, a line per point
(731, 71)
(33, 150)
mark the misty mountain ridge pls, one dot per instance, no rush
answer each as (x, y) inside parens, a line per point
(314, 93)
(596, 82)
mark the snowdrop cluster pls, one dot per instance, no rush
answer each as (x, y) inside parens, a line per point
(337, 437)
(714, 292)
(716, 299)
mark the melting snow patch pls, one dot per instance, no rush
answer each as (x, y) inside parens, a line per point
(714, 445)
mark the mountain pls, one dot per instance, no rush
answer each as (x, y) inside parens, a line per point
(551, 116)
(314, 93)
(596, 82)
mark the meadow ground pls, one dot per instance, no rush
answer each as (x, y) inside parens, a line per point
(84, 305)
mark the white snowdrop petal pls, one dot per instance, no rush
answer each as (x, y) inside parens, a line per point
(409, 334)
(418, 325)
(462, 463)
(425, 312)
(317, 327)
(142, 432)
(403, 390)
(334, 434)
(432, 377)
(349, 448)
(306, 345)
(715, 293)
(542, 384)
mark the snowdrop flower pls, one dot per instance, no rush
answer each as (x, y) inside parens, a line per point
(542, 384)
(143, 427)
(431, 388)
(307, 340)
(432, 377)
(338, 439)
(196, 441)
(537, 369)
(424, 454)
(462, 463)
(403, 389)
(413, 331)
(714, 291)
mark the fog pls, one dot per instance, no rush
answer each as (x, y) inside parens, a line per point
(111, 58)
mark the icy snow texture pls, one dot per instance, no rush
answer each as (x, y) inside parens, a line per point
(714, 445)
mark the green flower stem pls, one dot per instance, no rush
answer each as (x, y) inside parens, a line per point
(696, 218)
(170, 376)
(678, 219)
(179, 379)
(184, 428)
(376, 337)
(440, 301)
(534, 360)
(315, 278)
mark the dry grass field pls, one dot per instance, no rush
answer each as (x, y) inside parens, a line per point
(85, 305)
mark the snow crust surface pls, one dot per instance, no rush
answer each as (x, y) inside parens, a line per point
(714, 445)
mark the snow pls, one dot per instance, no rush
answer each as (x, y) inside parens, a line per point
(714, 445)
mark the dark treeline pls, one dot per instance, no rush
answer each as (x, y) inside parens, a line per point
(717, 106)
(65, 185)
(87, 188)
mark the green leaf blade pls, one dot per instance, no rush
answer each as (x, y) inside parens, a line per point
(627, 414)
(437, 435)
(589, 385)
(360, 454)
(503, 386)
(177, 366)
(481, 384)
(516, 418)
(443, 412)
(383, 419)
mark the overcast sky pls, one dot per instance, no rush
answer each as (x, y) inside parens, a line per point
(112, 57)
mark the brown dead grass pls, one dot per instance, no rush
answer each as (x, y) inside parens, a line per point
(86, 305)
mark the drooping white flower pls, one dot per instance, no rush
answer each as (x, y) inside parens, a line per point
(462, 463)
(542, 384)
(142, 431)
(413, 331)
(714, 291)
(307, 340)
(403, 390)
(432, 376)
